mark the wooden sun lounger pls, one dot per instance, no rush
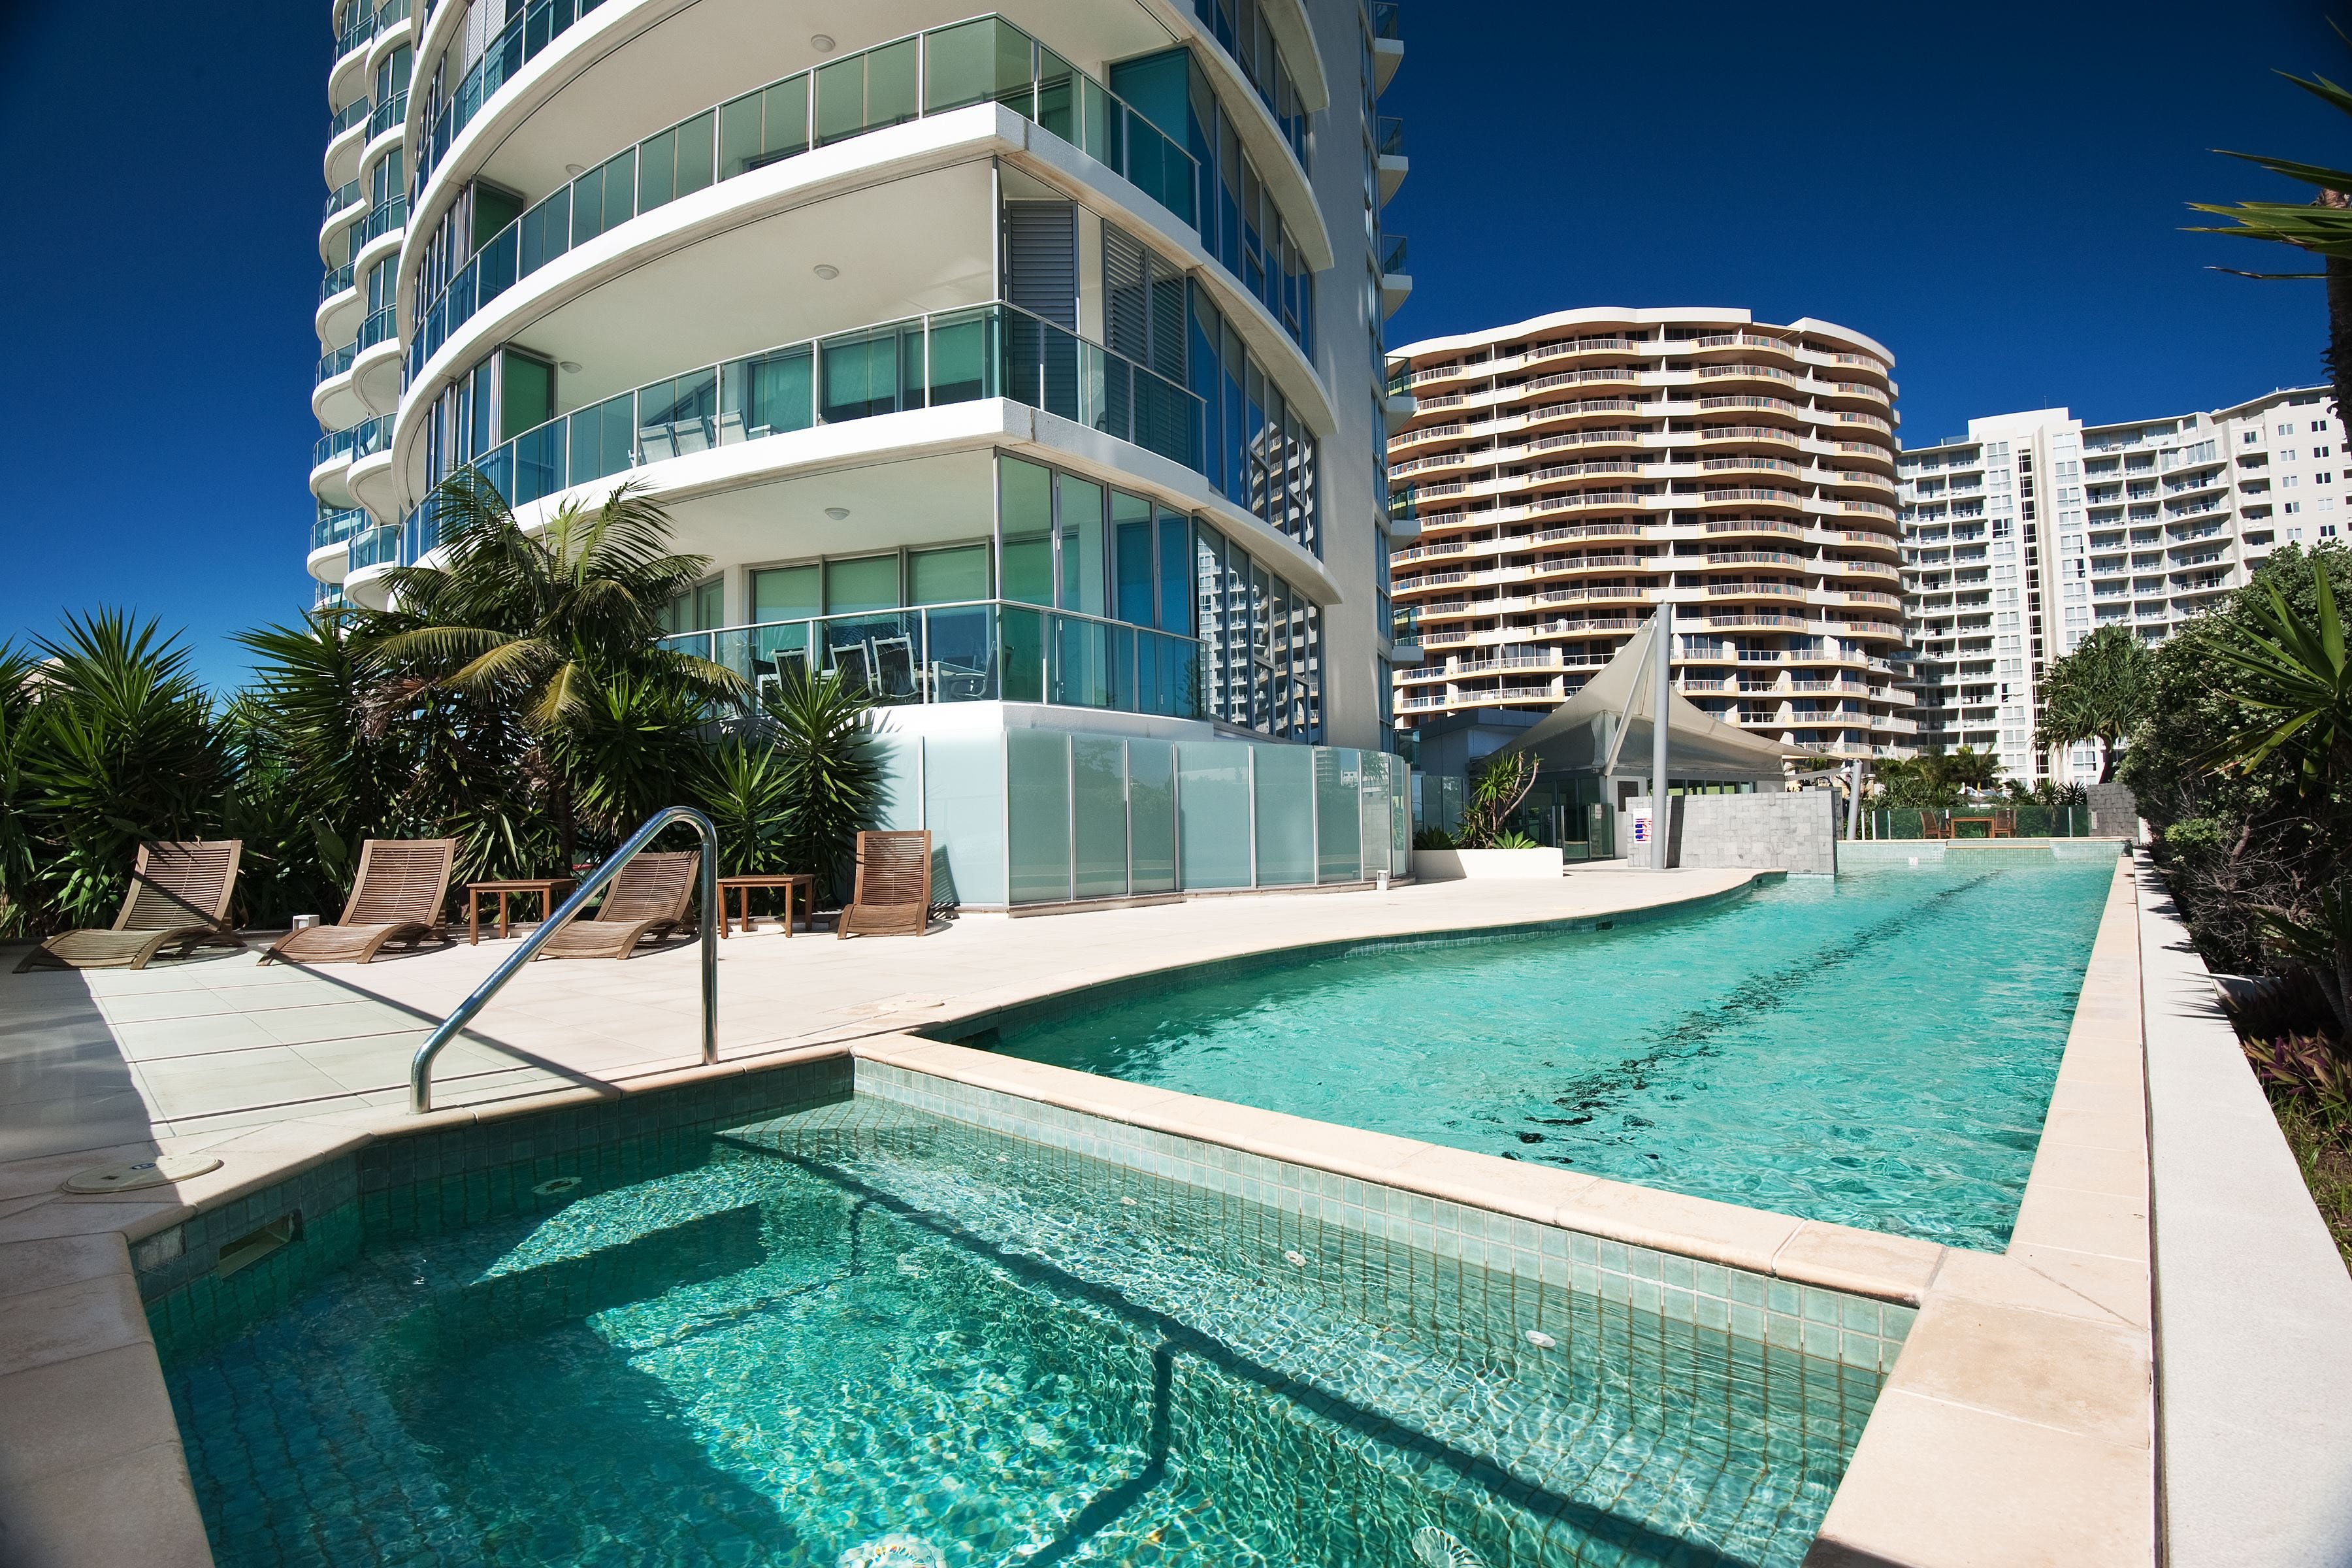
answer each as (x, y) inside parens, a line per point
(398, 895)
(178, 897)
(893, 897)
(649, 899)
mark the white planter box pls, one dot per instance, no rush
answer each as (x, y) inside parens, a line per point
(1486, 865)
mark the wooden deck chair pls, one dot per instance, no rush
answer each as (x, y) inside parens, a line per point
(178, 897)
(650, 898)
(893, 897)
(398, 895)
(1932, 824)
(2004, 824)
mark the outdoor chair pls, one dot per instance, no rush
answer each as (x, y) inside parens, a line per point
(398, 895)
(2004, 824)
(1932, 824)
(650, 898)
(893, 896)
(178, 897)
(854, 664)
(894, 669)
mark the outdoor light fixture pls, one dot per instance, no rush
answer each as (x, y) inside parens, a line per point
(827, 270)
(821, 43)
(838, 514)
(576, 169)
(568, 366)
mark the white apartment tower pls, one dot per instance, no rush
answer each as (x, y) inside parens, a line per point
(1569, 474)
(2034, 530)
(1026, 368)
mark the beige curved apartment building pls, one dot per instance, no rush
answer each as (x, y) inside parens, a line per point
(1570, 473)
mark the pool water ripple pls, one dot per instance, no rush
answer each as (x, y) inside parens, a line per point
(1876, 1052)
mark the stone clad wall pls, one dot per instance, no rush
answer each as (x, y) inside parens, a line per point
(1776, 831)
(2114, 812)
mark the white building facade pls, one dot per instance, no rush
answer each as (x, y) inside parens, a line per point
(2035, 529)
(1027, 369)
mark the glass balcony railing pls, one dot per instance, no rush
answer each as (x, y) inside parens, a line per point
(1405, 627)
(1386, 23)
(981, 61)
(334, 361)
(984, 650)
(381, 325)
(342, 199)
(922, 362)
(361, 440)
(385, 219)
(387, 114)
(1390, 141)
(526, 33)
(1395, 255)
(336, 527)
(376, 547)
(356, 32)
(351, 114)
(334, 282)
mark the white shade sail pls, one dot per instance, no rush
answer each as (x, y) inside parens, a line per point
(1611, 719)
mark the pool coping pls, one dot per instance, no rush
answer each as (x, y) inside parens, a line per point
(93, 1469)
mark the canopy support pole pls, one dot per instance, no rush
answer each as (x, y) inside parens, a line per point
(1662, 699)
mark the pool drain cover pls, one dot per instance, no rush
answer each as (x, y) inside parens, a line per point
(133, 1175)
(560, 1185)
(1437, 1548)
(895, 1551)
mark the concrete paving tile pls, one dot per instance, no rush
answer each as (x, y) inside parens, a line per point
(86, 1217)
(1935, 1485)
(58, 1322)
(2071, 1373)
(2078, 1221)
(2113, 1288)
(336, 1021)
(205, 1036)
(51, 1261)
(2122, 1173)
(136, 1507)
(154, 1006)
(238, 1080)
(33, 1129)
(70, 1415)
(1670, 1222)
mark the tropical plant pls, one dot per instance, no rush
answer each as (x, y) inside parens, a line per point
(2322, 227)
(19, 896)
(741, 787)
(545, 627)
(2098, 692)
(1934, 782)
(2320, 940)
(1433, 837)
(123, 750)
(2289, 667)
(1498, 787)
(829, 779)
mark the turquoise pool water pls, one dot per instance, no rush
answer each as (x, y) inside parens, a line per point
(860, 1335)
(1878, 1050)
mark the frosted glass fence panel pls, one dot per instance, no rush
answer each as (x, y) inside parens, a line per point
(1037, 815)
(1212, 813)
(1098, 828)
(1284, 790)
(1339, 816)
(963, 805)
(1151, 816)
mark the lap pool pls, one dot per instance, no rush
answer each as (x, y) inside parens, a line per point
(1875, 1051)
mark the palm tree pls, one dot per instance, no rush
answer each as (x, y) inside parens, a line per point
(544, 623)
(2323, 227)
(2098, 692)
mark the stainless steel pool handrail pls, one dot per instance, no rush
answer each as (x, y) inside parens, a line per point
(420, 1070)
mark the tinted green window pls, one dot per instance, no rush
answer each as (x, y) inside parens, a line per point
(786, 593)
(493, 210)
(764, 395)
(1081, 522)
(1026, 515)
(948, 576)
(528, 392)
(870, 584)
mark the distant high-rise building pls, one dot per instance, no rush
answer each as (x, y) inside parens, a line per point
(2034, 530)
(1569, 474)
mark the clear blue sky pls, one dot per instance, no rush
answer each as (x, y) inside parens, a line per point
(1993, 193)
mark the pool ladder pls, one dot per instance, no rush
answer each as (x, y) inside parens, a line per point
(420, 1069)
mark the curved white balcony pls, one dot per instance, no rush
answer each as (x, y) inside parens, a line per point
(347, 132)
(370, 482)
(334, 398)
(698, 276)
(341, 307)
(345, 205)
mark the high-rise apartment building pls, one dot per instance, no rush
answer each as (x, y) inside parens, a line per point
(2034, 530)
(1027, 368)
(1569, 474)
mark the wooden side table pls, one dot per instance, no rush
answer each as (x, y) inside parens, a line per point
(552, 891)
(791, 883)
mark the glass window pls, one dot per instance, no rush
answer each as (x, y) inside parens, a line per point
(1133, 553)
(764, 395)
(1080, 516)
(786, 593)
(527, 393)
(1025, 531)
(948, 576)
(1175, 573)
(870, 583)
(698, 610)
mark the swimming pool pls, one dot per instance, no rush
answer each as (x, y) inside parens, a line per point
(1876, 1050)
(861, 1334)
